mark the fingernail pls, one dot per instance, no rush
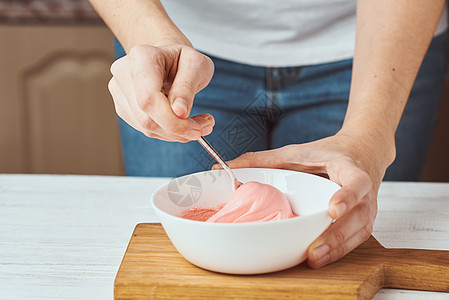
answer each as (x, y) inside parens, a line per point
(206, 130)
(179, 107)
(322, 261)
(193, 134)
(216, 167)
(340, 209)
(321, 251)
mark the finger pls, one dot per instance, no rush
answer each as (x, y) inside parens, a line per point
(126, 100)
(194, 73)
(122, 74)
(148, 71)
(127, 103)
(168, 138)
(335, 254)
(163, 115)
(121, 105)
(286, 157)
(338, 253)
(124, 111)
(260, 159)
(206, 122)
(355, 184)
(338, 239)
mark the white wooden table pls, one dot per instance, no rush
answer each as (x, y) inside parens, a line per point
(63, 237)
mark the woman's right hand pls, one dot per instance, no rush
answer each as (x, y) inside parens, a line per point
(153, 90)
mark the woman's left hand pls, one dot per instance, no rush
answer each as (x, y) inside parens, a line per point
(354, 206)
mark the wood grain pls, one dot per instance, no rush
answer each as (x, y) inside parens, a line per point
(64, 237)
(153, 269)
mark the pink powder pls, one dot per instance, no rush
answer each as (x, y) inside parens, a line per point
(200, 214)
(251, 202)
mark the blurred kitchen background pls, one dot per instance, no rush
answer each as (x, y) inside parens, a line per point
(56, 114)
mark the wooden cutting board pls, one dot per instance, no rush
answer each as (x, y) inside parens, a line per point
(153, 269)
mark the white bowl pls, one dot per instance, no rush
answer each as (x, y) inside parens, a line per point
(244, 248)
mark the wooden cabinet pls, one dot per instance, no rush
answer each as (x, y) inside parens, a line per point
(56, 114)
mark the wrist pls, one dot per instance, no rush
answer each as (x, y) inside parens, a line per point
(376, 152)
(159, 42)
(157, 34)
(173, 40)
(374, 132)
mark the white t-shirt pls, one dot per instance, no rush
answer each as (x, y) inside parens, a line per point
(268, 32)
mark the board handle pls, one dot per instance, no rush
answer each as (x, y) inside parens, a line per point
(426, 270)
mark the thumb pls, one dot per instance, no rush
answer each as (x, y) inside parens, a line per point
(260, 159)
(194, 73)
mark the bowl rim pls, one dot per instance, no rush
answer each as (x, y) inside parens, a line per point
(245, 224)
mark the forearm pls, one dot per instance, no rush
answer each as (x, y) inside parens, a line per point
(391, 41)
(139, 22)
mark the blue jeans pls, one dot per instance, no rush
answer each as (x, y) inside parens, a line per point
(259, 108)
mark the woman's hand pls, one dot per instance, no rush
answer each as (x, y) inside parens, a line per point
(153, 90)
(354, 206)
